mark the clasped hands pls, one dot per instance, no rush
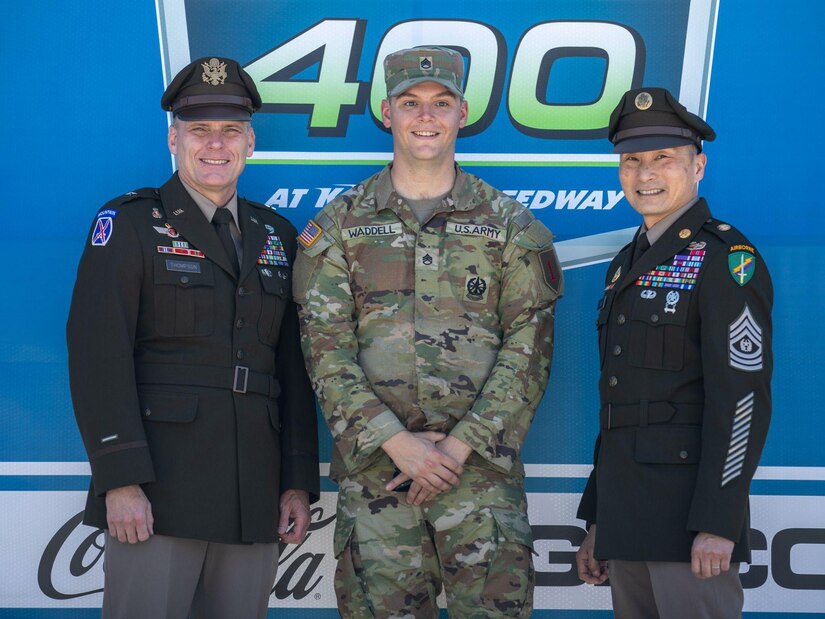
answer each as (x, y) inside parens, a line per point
(432, 460)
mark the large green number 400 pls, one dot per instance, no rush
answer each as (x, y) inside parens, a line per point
(334, 45)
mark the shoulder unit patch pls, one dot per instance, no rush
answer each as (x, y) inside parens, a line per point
(742, 265)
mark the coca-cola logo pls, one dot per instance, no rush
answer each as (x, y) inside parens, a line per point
(71, 565)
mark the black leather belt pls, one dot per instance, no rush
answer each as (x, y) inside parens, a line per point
(644, 413)
(239, 378)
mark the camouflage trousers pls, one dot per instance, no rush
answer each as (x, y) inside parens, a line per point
(394, 558)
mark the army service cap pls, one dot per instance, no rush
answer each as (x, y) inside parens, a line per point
(652, 118)
(212, 89)
(407, 67)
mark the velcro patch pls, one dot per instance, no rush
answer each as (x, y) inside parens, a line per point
(309, 235)
(388, 229)
(490, 232)
(551, 269)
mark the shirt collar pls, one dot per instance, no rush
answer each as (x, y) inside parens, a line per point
(208, 207)
(655, 232)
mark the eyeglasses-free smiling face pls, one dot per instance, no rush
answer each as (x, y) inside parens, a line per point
(659, 182)
(425, 121)
(211, 154)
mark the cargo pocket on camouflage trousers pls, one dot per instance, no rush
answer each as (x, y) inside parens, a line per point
(508, 588)
(349, 588)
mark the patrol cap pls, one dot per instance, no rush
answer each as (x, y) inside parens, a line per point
(407, 67)
(652, 118)
(212, 89)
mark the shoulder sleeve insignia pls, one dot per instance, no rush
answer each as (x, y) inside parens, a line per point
(309, 234)
(104, 227)
(551, 269)
(742, 265)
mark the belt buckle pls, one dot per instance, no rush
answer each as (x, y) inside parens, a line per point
(242, 372)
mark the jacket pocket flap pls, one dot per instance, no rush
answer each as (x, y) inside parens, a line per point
(670, 445)
(168, 406)
(278, 281)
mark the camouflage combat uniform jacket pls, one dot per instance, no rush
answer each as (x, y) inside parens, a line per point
(445, 326)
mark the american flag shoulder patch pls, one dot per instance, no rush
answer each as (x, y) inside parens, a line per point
(310, 234)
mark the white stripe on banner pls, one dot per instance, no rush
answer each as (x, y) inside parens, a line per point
(518, 158)
(575, 471)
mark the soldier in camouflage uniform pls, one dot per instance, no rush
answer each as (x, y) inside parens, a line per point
(426, 300)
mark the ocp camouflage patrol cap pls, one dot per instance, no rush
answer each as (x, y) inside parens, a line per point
(407, 67)
(652, 118)
(212, 89)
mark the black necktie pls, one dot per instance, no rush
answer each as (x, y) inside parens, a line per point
(221, 220)
(642, 245)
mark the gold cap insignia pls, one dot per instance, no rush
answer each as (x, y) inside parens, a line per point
(684, 233)
(214, 72)
(643, 101)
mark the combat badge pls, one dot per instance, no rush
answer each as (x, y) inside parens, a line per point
(671, 300)
(745, 343)
(742, 265)
(476, 288)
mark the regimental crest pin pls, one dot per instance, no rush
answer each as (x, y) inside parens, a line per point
(745, 343)
(214, 72)
(742, 265)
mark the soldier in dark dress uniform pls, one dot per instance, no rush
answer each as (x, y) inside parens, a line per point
(186, 373)
(685, 345)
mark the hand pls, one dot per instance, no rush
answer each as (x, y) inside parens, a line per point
(129, 514)
(416, 456)
(457, 449)
(710, 555)
(295, 509)
(591, 570)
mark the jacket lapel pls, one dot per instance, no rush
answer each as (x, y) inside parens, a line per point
(253, 233)
(184, 215)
